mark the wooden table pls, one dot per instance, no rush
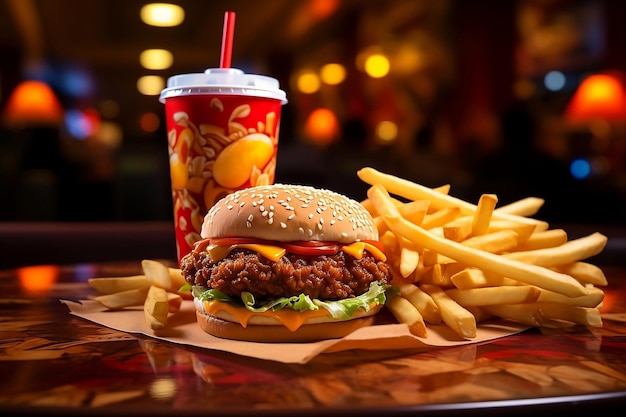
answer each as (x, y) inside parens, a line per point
(53, 363)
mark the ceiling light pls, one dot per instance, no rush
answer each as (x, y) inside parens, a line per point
(156, 59)
(33, 102)
(162, 14)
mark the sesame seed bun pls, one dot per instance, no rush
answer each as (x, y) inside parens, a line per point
(289, 213)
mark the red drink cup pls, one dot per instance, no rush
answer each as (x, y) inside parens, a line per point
(222, 130)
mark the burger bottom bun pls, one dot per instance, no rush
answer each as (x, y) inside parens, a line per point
(308, 332)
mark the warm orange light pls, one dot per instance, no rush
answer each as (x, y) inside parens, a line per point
(33, 103)
(599, 96)
(322, 126)
(38, 277)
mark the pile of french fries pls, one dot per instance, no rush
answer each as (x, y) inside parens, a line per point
(158, 290)
(459, 263)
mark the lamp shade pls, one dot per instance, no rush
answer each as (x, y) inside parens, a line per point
(33, 103)
(599, 96)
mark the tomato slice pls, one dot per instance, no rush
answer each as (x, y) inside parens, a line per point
(318, 249)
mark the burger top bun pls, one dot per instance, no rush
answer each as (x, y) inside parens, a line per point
(289, 213)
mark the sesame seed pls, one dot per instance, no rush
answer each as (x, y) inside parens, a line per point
(283, 225)
(311, 216)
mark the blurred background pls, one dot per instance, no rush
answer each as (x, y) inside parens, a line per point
(489, 96)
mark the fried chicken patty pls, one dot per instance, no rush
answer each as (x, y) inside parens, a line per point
(326, 277)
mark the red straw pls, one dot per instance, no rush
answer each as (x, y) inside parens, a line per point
(227, 39)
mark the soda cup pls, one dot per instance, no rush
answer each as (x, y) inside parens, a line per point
(222, 135)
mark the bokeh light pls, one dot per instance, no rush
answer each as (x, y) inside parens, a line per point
(580, 168)
(386, 131)
(322, 126)
(307, 82)
(150, 85)
(156, 59)
(333, 74)
(377, 65)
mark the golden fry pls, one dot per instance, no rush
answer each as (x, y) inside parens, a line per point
(572, 251)
(422, 301)
(413, 191)
(409, 258)
(456, 317)
(441, 217)
(111, 285)
(482, 216)
(406, 313)
(545, 239)
(496, 242)
(584, 272)
(122, 299)
(531, 274)
(525, 207)
(156, 308)
(517, 294)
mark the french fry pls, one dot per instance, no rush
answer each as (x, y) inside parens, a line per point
(571, 251)
(476, 278)
(456, 317)
(458, 230)
(526, 207)
(413, 191)
(496, 242)
(406, 313)
(548, 314)
(409, 258)
(584, 272)
(414, 211)
(531, 274)
(592, 299)
(441, 217)
(516, 294)
(483, 213)
(545, 239)
(524, 231)
(422, 301)
(156, 308)
(111, 285)
(121, 299)
(158, 274)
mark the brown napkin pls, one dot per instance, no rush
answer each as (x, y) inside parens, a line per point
(183, 329)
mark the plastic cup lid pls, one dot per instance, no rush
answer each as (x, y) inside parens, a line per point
(223, 81)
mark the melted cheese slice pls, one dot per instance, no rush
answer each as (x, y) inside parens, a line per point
(289, 318)
(271, 252)
(274, 253)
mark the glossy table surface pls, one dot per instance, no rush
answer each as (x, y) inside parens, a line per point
(54, 363)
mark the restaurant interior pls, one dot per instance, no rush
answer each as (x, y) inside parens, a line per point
(516, 98)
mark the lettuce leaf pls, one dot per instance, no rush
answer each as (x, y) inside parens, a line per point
(340, 309)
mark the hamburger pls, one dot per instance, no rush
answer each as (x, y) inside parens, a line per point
(286, 263)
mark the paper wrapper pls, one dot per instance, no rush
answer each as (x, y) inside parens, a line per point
(183, 329)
